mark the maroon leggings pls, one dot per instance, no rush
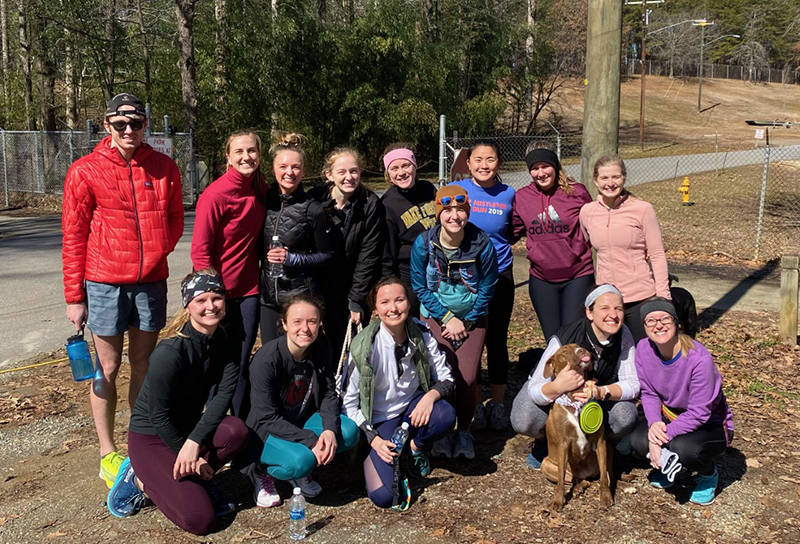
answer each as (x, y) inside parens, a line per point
(185, 502)
(466, 364)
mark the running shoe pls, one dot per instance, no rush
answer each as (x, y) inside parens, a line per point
(418, 465)
(264, 492)
(464, 445)
(109, 467)
(705, 487)
(125, 497)
(308, 487)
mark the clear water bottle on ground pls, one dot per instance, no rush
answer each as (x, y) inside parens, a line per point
(400, 437)
(275, 270)
(297, 515)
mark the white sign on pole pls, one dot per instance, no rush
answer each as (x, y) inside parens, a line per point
(161, 144)
(759, 134)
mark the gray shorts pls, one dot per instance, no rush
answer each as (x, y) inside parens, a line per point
(113, 308)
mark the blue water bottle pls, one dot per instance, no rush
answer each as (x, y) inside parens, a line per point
(80, 360)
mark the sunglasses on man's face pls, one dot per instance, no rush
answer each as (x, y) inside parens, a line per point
(457, 200)
(120, 126)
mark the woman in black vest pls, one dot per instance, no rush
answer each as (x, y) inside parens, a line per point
(396, 375)
(308, 242)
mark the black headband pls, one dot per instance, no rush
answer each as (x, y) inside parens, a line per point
(199, 284)
(543, 155)
(657, 306)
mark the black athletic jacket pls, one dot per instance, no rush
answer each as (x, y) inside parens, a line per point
(270, 376)
(363, 232)
(182, 371)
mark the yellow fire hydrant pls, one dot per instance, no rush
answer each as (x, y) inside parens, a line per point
(684, 191)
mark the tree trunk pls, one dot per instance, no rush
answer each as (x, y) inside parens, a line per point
(220, 41)
(432, 12)
(111, 50)
(71, 102)
(45, 72)
(322, 8)
(148, 84)
(184, 10)
(5, 59)
(25, 54)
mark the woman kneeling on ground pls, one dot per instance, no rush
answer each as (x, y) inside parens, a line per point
(453, 273)
(175, 446)
(294, 405)
(603, 333)
(685, 410)
(396, 375)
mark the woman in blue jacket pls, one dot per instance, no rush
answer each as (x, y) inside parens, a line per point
(453, 273)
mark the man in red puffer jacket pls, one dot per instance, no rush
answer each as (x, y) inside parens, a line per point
(122, 215)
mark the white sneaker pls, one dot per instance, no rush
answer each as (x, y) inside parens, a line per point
(443, 447)
(308, 487)
(464, 446)
(264, 493)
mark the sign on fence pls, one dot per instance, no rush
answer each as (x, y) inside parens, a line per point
(759, 134)
(161, 144)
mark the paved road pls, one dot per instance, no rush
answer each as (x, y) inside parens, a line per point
(33, 292)
(660, 168)
(33, 303)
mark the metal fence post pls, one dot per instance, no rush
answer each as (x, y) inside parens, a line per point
(764, 177)
(148, 113)
(5, 166)
(558, 139)
(71, 148)
(88, 136)
(442, 151)
(37, 146)
(191, 169)
(166, 126)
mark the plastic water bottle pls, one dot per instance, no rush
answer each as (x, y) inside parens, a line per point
(80, 360)
(400, 437)
(297, 515)
(275, 270)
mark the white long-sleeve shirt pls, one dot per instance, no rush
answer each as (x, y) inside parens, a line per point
(628, 380)
(393, 393)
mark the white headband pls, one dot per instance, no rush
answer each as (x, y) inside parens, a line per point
(598, 291)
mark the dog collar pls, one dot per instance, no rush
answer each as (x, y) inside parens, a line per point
(565, 401)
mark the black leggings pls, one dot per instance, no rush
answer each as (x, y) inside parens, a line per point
(695, 450)
(243, 315)
(497, 330)
(633, 320)
(558, 303)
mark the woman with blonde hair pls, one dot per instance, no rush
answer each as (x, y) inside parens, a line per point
(227, 226)
(176, 440)
(687, 419)
(357, 213)
(624, 232)
(307, 240)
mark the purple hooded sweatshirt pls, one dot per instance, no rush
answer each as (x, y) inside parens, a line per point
(549, 220)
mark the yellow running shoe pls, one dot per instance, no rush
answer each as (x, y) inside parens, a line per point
(109, 466)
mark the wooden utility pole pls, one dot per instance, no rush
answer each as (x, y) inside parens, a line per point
(601, 97)
(789, 286)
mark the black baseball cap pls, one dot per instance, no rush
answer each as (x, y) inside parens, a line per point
(125, 99)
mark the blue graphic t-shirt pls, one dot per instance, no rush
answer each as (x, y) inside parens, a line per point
(491, 212)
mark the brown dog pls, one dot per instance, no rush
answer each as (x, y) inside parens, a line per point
(587, 455)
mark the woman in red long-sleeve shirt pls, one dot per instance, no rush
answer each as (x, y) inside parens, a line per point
(229, 219)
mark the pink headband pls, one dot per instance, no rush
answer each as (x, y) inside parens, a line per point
(395, 154)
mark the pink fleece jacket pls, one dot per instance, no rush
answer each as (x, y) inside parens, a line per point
(626, 237)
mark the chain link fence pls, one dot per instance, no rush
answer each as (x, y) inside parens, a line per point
(743, 202)
(37, 162)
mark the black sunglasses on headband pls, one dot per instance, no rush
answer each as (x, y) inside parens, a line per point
(120, 126)
(447, 201)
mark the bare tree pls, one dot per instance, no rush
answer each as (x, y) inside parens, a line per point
(148, 84)
(25, 54)
(185, 12)
(220, 41)
(4, 45)
(751, 52)
(110, 49)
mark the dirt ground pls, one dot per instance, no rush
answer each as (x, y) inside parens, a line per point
(49, 489)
